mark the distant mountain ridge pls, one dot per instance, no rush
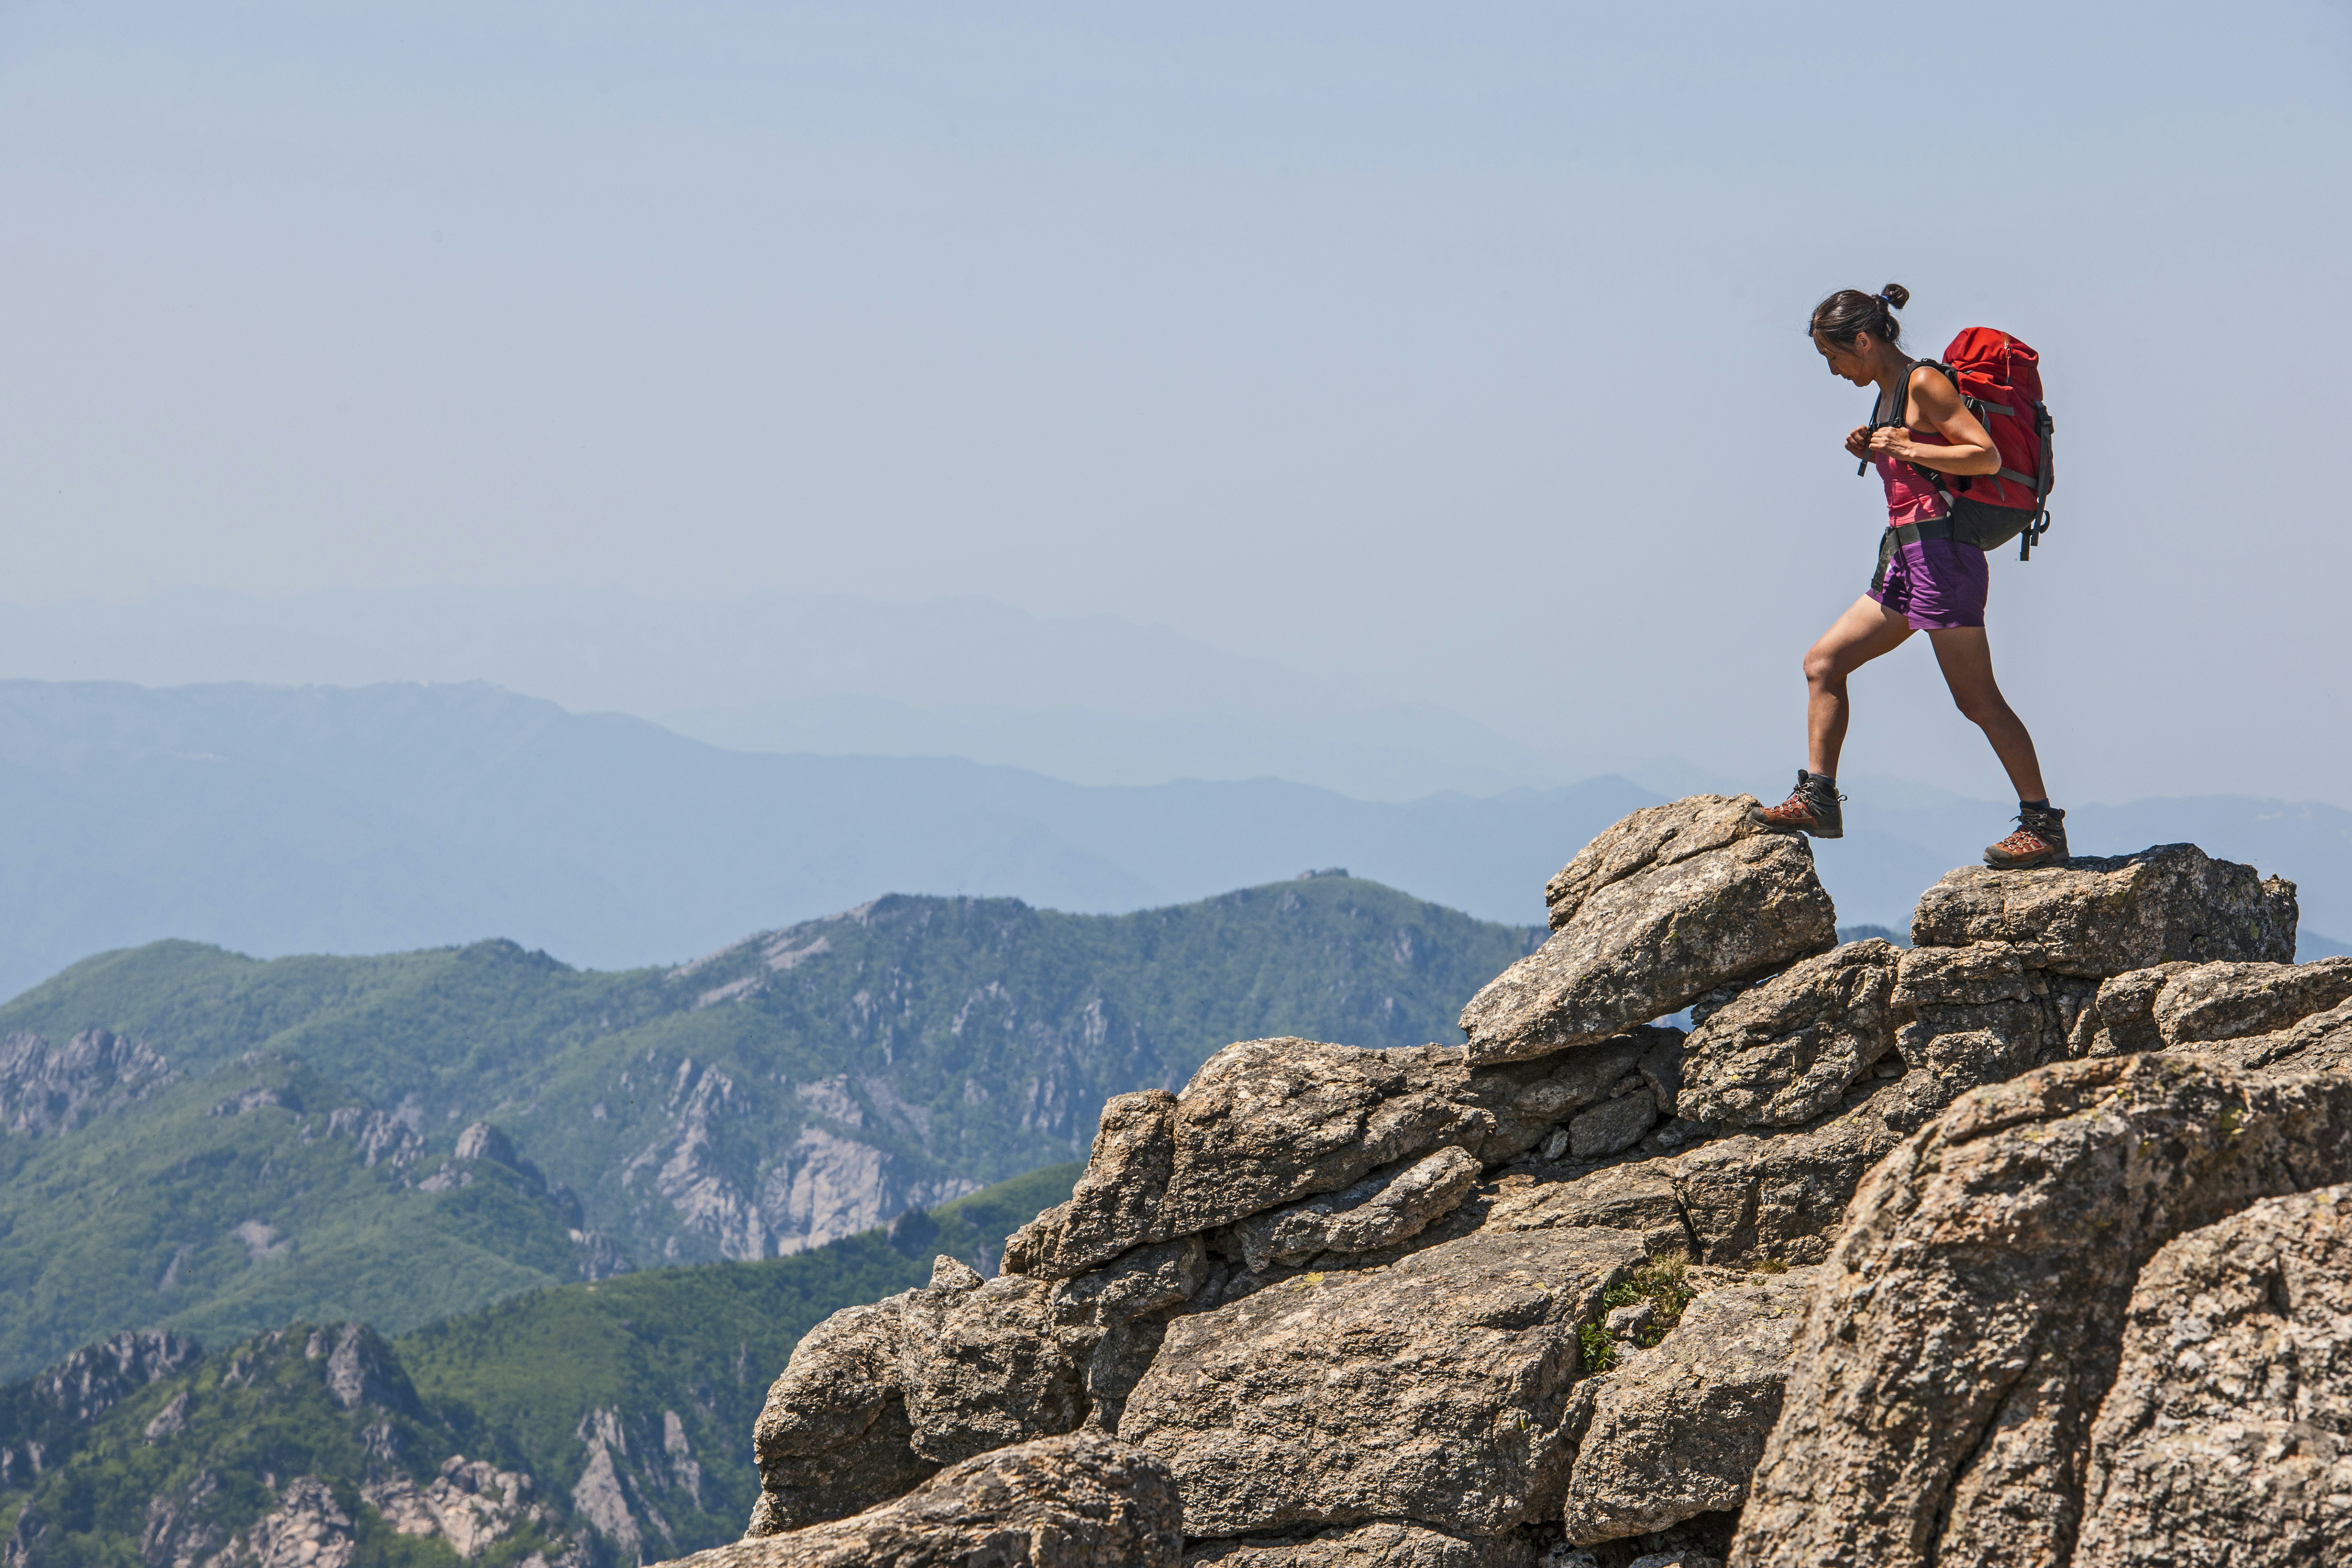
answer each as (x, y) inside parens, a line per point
(279, 820)
(397, 1138)
(301, 820)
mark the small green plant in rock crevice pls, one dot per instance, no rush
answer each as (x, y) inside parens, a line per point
(1662, 1283)
(1600, 1350)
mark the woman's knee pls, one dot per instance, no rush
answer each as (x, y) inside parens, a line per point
(1983, 708)
(1822, 668)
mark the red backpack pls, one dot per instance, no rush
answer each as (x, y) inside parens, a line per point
(1999, 379)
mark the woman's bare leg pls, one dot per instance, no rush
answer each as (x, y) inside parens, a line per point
(1866, 630)
(1967, 659)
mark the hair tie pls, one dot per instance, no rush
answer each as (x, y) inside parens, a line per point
(1882, 299)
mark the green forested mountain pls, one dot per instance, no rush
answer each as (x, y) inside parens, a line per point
(255, 1196)
(546, 1377)
(196, 1140)
(594, 1423)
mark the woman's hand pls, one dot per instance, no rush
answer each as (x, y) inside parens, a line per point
(1890, 441)
(1857, 442)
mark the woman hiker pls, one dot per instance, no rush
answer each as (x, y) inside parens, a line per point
(1928, 582)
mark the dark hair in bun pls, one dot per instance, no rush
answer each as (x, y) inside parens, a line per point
(1850, 312)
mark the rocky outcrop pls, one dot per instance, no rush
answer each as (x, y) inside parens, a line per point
(1665, 905)
(1360, 1307)
(2247, 1014)
(471, 1504)
(307, 1528)
(2321, 1042)
(2099, 916)
(1972, 1313)
(1781, 1197)
(361, 1368)
(1077, 1501)
(2227, 1437)
(2206, 1001)
(1636, 1197)
(43, 1421)
(1783, 1052)
(93, 1380)
(46, 1090)
(1675, 1432)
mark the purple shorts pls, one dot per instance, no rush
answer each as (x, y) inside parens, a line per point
(1936, 585)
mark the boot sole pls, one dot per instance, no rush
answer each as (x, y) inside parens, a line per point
(2032, 862)
(1758, 819)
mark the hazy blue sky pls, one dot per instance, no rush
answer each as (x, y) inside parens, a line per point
(1451, 352)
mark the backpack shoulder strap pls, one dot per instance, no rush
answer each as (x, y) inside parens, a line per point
(1948, 372)
(1880, 414)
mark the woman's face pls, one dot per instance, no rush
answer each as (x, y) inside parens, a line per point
(1856, 363)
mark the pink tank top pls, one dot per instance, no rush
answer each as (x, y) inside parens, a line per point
(1910, 498)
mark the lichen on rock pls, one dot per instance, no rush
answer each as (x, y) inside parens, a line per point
(1676, 1431)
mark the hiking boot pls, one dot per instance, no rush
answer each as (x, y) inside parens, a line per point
(2039, 840)
(1812, 808)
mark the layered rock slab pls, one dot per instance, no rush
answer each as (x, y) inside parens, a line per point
(1077, 1501)
(1677, 1430)
(1268, 1122)
(2098, 916)
(2227, 1438)
(1382, 1210)
(1972, 1313)
(2251, 1014)
(1431, 1390)
(1636, 1197)
(2321, 1042)
(1781, 1053)
(1670, 903)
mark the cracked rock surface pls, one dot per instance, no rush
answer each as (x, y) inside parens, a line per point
(1389, 1543)
(1781, 1053)
(2228, 1435)
(1384, 1209)
(1431, 1390)
(876, 1399)
(1971, 1315)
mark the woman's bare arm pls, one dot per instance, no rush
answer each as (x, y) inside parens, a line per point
(1971, 451)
